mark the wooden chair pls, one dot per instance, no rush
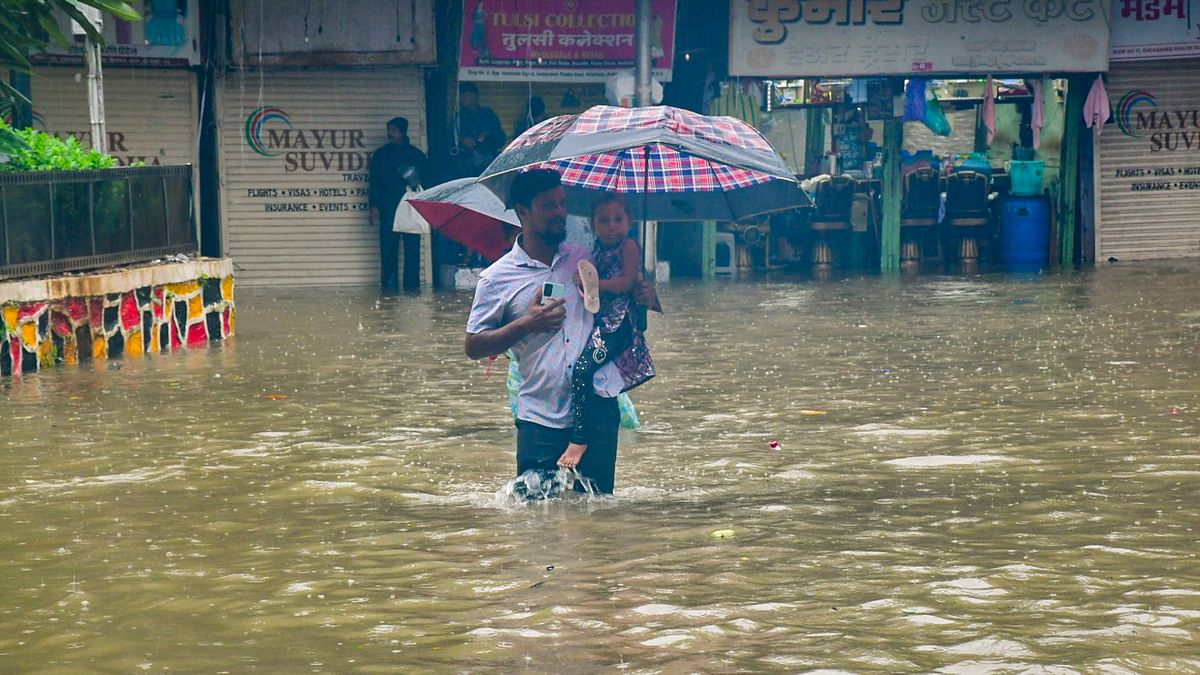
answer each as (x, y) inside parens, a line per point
(919, 211)
(967, 199)
(834, 205)
(967, 211)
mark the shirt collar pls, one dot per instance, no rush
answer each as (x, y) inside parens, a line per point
(523, 259)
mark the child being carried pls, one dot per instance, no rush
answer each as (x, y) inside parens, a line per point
(608, 294)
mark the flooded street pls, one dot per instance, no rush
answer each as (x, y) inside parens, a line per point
(993, 474)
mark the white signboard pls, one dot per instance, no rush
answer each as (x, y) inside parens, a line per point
(832, 38)
(1156, 29)
(167, 36)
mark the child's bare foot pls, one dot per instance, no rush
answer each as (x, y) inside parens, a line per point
(570, 458)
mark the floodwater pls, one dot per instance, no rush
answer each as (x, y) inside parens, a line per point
(974, 475)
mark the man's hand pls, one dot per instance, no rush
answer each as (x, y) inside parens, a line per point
(646, 295)
(374, 217)
(547, 318)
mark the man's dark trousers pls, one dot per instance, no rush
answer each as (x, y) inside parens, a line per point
(539, 447)
(389, 257)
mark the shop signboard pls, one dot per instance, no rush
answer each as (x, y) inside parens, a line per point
(563, 41)
(168, 36)
(838, 38)
(1156, 29)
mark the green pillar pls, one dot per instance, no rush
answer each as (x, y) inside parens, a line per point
(889, 241)
(708, 249)
(814, 140)
(1068, 192)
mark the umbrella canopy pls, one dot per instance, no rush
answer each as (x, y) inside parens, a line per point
(463, 211)
(680, 164)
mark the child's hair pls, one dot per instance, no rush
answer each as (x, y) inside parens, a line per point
(609, 198)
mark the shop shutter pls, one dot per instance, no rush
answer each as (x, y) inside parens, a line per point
(1134, 222)
(301, 139)
(150, 113)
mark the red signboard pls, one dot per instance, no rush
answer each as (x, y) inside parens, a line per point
(560, 40)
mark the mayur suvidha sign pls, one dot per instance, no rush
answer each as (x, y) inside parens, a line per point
(830, 38)
(339, 155)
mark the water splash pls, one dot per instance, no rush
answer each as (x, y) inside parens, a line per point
(538, 485)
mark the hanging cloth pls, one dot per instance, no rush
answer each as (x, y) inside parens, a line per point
(914, 100)
(1096, 110)
(735, 101)
(989, 110)
(1038, 119)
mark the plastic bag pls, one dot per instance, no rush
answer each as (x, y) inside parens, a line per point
(935, 119)
(915, 96)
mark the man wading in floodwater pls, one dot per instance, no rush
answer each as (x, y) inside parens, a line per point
(546, 339)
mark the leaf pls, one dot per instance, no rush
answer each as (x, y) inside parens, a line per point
(119, 9)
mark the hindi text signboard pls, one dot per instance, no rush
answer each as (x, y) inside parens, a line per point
(1156, 29)
(553, 40)
(839, 38)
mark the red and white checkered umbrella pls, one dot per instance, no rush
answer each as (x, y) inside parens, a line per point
(680, 165)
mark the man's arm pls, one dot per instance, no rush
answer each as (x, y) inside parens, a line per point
(538, 318)
(373, 189)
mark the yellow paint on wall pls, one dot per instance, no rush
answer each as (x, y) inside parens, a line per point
(10, 317)
(232, 320)
(99, 347)
(70, 351)
(153, 346)
(195, 308)
(46, 353)
(227, 288)
(133, 344)
(29, 335)
(183, 289)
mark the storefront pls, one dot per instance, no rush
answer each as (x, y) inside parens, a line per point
(150, 96)
(305, 103)
(943, 92)
(1148, 163)
(295, 151)
(150, 113)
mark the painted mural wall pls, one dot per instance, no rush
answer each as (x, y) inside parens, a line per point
(146, 320)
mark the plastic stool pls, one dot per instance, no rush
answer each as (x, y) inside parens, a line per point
(726, 254)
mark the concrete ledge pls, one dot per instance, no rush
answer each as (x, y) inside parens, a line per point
(114, 281)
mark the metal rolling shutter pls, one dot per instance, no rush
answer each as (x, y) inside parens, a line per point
(1135, 224)
(150, 114)
(341, 113)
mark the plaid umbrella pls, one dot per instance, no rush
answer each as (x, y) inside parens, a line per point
(680, 164)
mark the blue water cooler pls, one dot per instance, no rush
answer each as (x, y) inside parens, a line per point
(1025, 233)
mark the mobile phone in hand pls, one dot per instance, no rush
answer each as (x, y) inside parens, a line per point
(552, 290)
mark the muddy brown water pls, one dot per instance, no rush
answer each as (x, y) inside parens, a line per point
(991, 474)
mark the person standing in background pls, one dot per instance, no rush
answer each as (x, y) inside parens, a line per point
(535, 114)
(477, 136)
(396, 167)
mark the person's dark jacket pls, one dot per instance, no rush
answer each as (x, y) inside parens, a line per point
(395, 167)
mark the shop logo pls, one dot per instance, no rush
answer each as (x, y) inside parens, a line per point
(257, 121)
(1127, 116)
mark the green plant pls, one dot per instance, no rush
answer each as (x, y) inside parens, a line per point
(42, 152)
